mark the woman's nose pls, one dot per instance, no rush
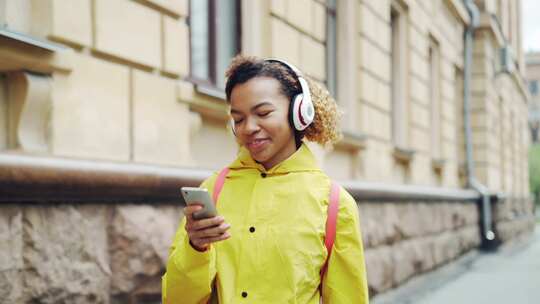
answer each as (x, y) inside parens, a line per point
(252, 125)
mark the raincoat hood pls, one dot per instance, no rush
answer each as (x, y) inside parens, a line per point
(300, 161)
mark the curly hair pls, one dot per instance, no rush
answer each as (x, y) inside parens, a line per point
(325, 127)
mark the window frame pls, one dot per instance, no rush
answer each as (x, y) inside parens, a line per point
(398, 83)
(331, 47)
(209, 85)
(4, 112)
(534, 87)
(434, 58)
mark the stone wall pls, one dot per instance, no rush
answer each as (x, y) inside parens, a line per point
(95, 253)
(84, 253)
(403, 239)
(54, 254)
(514, 217)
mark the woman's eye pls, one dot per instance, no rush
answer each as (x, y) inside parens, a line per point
(237, 121)
(263, 114)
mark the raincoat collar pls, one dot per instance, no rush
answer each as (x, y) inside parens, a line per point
(301, 160)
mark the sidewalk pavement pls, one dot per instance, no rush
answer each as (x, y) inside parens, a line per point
(510, 275)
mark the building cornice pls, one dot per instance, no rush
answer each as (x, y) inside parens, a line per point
(46, 179)
(23, 52)
(459, 10)
(490, 25)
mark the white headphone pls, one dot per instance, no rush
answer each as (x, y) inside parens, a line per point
(301, 109)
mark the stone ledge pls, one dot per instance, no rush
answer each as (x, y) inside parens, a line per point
(206, 100)
(31, 178)
(211, 91)
(352, 142)
(403, 155)
(17, 54)
(376, 191)
(438, 164)
(25, 178)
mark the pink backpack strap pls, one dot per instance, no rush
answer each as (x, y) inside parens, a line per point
(219, 183)
(331, 223)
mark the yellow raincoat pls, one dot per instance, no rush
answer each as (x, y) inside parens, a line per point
(276, 249)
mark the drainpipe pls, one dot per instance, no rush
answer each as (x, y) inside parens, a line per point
(486, 228)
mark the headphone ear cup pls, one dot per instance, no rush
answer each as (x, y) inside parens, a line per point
(294, 112)
(307, 112)
(231, 122)
(302, 112)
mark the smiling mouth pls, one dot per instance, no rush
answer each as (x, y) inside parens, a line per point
(257, 144)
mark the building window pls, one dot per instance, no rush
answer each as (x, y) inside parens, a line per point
(3, 112)
(533, 87)
(331, 47)
(434, 93)
(502, 146)
(503, 11)
(512, 163)
(215, 39)
(460, 125)
(398, 25)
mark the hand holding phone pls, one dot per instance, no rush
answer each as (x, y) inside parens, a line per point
(202, 223)
(199, 196)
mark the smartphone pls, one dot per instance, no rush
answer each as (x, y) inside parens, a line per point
(199, 196)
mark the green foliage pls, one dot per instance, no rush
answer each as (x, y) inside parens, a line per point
(534, 171)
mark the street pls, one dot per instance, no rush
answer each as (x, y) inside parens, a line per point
(510, 275)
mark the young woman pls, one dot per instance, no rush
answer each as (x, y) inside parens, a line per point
(268, 243)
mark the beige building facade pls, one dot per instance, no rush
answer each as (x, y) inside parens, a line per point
(532, 61)
(107, 107)
(123, 83)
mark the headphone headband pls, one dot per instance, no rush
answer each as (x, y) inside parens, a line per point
(303, 83)
(289, 65)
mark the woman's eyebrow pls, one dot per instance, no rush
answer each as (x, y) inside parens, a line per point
(264, 103)
(255, 107)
